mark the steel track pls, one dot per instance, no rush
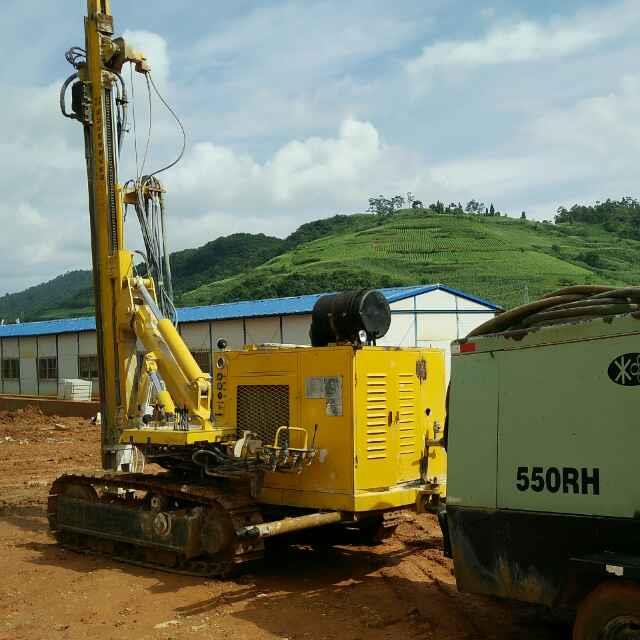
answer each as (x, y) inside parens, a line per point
(110, 488)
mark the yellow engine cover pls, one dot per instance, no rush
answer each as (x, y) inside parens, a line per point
(369, 410)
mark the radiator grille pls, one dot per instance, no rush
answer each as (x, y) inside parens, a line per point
(262, 408)
(407, 413)
(377, 416)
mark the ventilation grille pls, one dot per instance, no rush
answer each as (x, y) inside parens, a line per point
(262, 408)
(377, 416)
(407, 413)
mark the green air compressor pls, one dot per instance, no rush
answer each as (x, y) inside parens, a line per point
(543, 443)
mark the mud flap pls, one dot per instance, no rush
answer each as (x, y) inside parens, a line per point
(444, 527)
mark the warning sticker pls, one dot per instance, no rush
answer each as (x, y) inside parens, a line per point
(327, 387)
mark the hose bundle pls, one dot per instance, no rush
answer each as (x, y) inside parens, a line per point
(571, 304)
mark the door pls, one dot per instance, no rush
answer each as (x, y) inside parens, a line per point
(407, 399)
(376, 444)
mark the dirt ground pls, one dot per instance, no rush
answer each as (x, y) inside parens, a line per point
(403, 589)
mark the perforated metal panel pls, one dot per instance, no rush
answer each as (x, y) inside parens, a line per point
(262, 408)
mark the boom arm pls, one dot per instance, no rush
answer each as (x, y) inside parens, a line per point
(188, 386)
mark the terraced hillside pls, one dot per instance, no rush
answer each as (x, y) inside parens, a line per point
(501, 259)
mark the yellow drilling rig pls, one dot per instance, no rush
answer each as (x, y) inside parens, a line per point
(333, 438)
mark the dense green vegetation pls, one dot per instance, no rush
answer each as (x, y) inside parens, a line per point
(618, 216)
(55, 296)
(499, 258)
(71, 294)
(221, 258)
(505, 260)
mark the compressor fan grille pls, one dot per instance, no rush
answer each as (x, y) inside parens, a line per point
(262, 408)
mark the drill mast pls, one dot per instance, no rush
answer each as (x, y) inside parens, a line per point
(112, 265)
(127, 307)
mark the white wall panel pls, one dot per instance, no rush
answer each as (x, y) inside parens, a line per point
(46, 346)
(88, 343)
(10, 348)
(231, 330)
(295, 329)
(261, 330)
(469, 321)
(67, 355)
(48, 388)
(405, 305)
(28, 367)
(435, 300)
(436, 326)
(402, 331)
(11, 387)
(463, 303)
(196, 336)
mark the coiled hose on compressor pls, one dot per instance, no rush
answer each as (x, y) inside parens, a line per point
(571, 304)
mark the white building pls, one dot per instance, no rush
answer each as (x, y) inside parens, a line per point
(36, 355)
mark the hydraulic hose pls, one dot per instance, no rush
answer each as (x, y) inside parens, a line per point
(571, 304)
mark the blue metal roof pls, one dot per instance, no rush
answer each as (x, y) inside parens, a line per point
(47, 327)
(229, 311)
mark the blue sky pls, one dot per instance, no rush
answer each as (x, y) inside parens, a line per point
(298, 110)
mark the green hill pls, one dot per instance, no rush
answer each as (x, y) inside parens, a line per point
(57, 295)
(498, 258)
(71, 294)
(494, 257)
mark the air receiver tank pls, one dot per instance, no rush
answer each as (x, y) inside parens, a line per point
(341, 317)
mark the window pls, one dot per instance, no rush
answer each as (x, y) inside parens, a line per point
(203, 358)
(11, 369)
(48, 368)
(88, 367)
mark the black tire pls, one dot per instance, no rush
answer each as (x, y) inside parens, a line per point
(610, 612)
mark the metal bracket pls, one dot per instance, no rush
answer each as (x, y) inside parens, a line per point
(421, 369)
(104, 22)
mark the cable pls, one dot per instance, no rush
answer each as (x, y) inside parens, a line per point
(135, 131)
(151, 212)
(149, 204)
(76, 56)
(122, 104)
(177, 119)
(148, 145)
(63, 93)
(571, 304)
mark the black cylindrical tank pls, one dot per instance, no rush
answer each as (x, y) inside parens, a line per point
(340, 317)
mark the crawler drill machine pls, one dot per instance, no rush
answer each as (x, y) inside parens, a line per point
(341, 435)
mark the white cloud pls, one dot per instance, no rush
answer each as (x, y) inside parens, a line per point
(42, 211)
(582, 152)
(294, 69)
(527, 40)
(154, 47)
(304, 38)
(325, 171)
(601, 126)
